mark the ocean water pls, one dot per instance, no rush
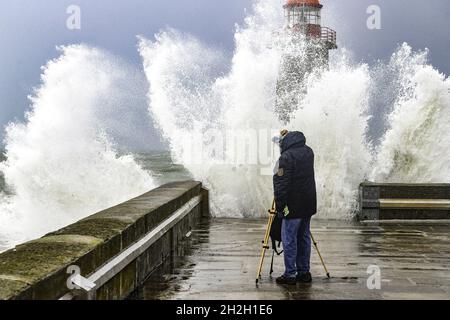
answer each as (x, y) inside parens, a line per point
(163, 170)
(158, 163)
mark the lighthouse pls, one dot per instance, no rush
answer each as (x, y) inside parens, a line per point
(307, 46)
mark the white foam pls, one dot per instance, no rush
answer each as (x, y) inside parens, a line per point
(415, 148)
(186, 96)
(61, 163)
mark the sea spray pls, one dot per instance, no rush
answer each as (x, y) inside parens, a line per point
(234, 103)
(333, 117)
(415, 146)
(61, 163)
(243, 100)
(344, 112)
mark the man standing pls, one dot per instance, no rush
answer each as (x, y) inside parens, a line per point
(296, 202)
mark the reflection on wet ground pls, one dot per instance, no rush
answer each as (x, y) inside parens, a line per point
(220, 258)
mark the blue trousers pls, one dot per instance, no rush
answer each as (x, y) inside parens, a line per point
(296, 239)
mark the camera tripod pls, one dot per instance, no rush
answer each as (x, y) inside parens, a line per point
(265, 246)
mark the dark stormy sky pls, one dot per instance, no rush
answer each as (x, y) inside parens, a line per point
(30, 31)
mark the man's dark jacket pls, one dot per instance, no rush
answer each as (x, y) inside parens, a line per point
(294, 183)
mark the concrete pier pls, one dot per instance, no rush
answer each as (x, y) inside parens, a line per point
(221, 259)
(164, 245)
(111, 252)
(405, 201)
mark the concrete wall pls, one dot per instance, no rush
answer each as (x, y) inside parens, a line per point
(371, 197)
(38, 269)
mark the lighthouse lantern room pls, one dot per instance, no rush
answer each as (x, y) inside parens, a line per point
(304, 16)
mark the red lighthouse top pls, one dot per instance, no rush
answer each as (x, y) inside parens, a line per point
(304, 17)
(311, 3)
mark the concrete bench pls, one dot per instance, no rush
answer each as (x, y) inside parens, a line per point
(432, 204)
(404, 201)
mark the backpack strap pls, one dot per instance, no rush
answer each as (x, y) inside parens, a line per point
(271, 264)
(274, 247)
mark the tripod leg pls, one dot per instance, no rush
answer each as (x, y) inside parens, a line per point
(320, 256)
(264, 248)
(258, 275)
(271, 264)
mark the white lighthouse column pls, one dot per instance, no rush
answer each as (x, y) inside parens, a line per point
(307, 49)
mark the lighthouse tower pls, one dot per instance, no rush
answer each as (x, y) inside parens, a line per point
(308, 45)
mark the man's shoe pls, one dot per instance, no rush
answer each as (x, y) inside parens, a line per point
(304, 277)
(286, 280)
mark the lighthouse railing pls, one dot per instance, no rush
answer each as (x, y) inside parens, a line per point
(328, 35)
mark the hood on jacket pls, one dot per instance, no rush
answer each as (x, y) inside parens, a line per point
(294, 139)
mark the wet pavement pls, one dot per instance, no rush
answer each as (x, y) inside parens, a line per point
(220, 258)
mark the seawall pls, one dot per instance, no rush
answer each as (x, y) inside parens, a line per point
(114, 250)
(404, 201)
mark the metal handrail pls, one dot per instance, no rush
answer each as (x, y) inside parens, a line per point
(328, 34)
(324, 34)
